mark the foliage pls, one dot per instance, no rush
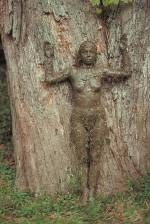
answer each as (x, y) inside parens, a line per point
(141, 187)
(73, 184)
(6, 173)
(103, 4)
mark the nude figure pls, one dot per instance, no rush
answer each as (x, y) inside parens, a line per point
(89, 130)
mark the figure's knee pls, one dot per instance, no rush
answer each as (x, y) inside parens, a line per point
(79, 139)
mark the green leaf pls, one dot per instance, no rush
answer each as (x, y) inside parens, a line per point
(106, 3)
(125, 1)
(94, 2)
(98, 10)
(115, 2)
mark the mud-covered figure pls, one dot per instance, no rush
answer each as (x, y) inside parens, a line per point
(89, 129)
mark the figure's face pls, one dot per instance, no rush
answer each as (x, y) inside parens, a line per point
(88, 55)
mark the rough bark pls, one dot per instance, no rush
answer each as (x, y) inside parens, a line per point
(45, 159)
(127, 105)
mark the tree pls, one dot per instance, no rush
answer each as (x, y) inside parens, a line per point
(45, 159)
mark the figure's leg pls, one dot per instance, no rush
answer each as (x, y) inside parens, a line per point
(79, 137)
(98, 138)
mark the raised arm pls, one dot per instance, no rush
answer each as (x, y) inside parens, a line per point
(109, 75)
(58, 77)
(51, 77)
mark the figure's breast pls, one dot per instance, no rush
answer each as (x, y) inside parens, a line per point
(77, 83)
(94, 83)
(86, 82)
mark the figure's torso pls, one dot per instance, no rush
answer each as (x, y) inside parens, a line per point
(86, 87)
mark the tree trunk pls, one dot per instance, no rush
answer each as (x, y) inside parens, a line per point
(127, 104)
(45, 158)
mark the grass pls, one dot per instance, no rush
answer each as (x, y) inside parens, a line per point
(132, 206)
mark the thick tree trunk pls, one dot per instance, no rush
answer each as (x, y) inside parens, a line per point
(128, 104)
(45, 158)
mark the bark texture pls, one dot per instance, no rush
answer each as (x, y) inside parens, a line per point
(45, 158)
(127, 104)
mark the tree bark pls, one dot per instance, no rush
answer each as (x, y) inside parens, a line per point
(127, 104)
(45, 158)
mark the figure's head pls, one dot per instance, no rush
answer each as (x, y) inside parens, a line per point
(48, 50)
(87, 53)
